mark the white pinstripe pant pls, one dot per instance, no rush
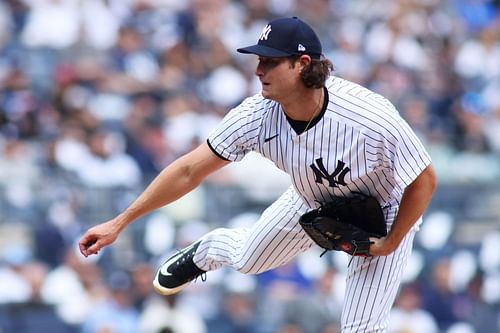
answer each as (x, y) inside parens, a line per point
(277, 237)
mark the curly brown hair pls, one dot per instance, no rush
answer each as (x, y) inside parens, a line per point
(316, 72)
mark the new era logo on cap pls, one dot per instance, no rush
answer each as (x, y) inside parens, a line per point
(290, 36)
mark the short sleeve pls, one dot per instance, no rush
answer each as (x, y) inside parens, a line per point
(410, 157)
(238, 131)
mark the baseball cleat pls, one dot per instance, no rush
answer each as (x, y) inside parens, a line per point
(177, 271)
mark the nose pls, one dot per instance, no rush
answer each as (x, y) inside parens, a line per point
(259, 70)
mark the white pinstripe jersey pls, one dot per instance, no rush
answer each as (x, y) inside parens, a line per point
(360, 144)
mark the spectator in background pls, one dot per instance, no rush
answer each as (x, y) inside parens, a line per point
(69, 68)
(133, 67)
(407, 315)
(439, 299)
(73, 288)
(99, 23)
(483, 317)
(187, 122)
(51, 27)
(145, 137)
(166, 313)
(281, 287)
(5, 24)
(141, 275)
(107, 165)
(115, 312)
(15, 286)
(486, 46)
(19, 177)
(471, 136)
(33, 314)
(97, 159)
(320, 309)
(237, 314)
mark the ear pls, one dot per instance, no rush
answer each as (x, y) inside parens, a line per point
(304, 60)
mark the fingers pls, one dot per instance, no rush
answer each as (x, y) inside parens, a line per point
(96, 238)
(89, 245)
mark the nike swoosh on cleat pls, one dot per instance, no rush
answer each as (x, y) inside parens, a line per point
(163, 271)
(270, 138)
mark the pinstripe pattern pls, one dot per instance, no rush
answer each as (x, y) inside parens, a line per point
(358, 127)
(371, 288)
(361, 144)
(277, 237)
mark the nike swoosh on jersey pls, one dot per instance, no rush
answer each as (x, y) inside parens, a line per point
(270, 138)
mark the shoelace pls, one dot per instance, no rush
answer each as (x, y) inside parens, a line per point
(186, 270)
(202, 276)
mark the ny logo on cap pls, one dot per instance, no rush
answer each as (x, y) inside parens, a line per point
(301, 48)
(265, 32)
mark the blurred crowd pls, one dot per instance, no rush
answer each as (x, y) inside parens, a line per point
(97, 96)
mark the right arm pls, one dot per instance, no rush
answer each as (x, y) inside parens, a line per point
(176, 180)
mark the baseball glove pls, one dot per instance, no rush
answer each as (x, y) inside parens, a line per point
(346, 224)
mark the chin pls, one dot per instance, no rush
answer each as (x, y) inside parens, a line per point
(267, 95)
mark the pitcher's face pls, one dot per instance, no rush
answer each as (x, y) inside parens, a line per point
(279, 77)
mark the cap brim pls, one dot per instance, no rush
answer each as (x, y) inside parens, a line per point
(263, 51)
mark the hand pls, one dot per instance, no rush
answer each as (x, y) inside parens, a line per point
(381, 246)
(98, 237)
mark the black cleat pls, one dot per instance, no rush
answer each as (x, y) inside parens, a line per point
(177, 271)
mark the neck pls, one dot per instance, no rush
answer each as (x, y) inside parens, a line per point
(304, 106)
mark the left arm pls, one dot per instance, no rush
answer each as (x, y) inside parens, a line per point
(415, 200)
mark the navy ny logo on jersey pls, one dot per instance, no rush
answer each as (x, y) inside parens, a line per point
(334, 179)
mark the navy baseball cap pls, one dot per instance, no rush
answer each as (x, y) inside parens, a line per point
(285, 37)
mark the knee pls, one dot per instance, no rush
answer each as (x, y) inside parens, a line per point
(215, 236)
(247, 269)
(229, 247)
(248, 264)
